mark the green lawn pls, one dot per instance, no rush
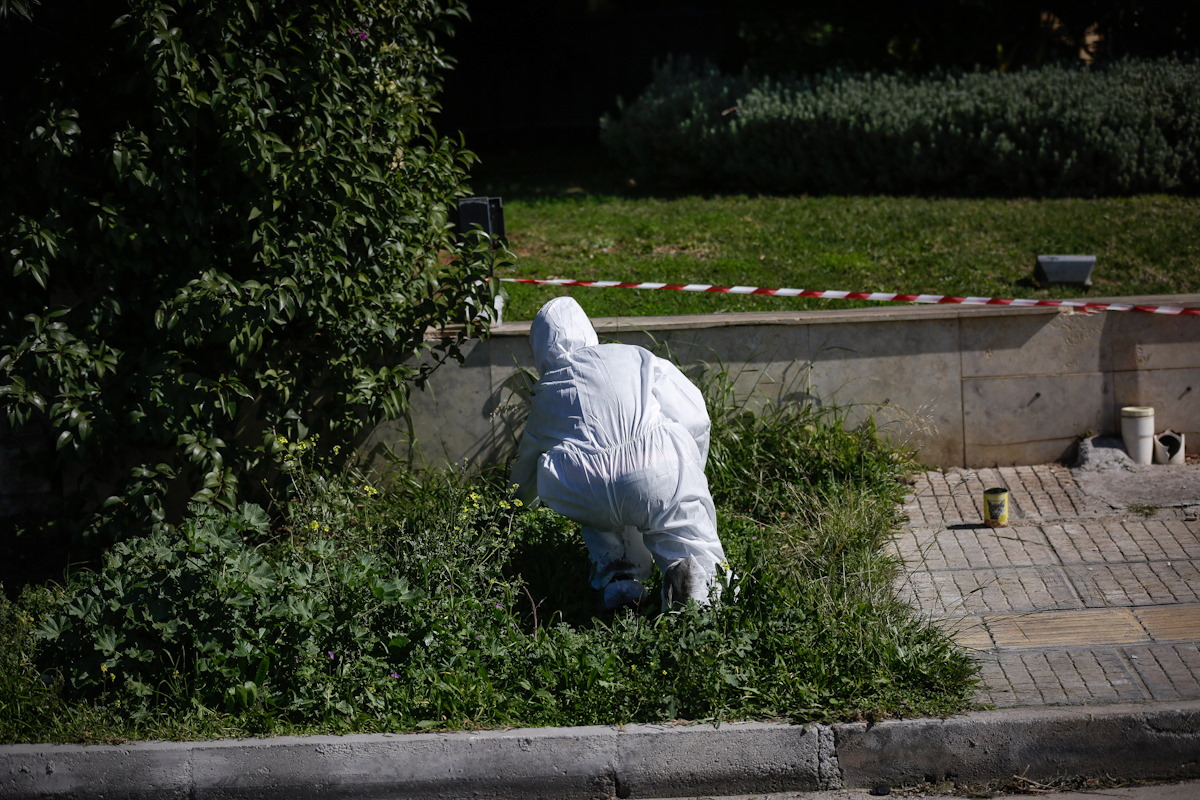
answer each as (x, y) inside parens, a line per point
(569, 214)
(1143, 245)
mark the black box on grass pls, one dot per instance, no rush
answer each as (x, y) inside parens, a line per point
(1064, 269)
(484, 214)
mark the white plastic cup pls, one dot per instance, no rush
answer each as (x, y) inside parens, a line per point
(1169, 448)
(1137, 431)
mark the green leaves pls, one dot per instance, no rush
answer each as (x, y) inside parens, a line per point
(300, 631)
(231, 223)
(438, 605)
(394, 590)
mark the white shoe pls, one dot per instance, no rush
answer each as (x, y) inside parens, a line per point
(685, 580)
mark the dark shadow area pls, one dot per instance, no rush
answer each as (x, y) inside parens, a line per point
(555, 568)
(559, 66)
(531, 79)
(38, 542)
(34, 552)
(555, 571)
(546, 163)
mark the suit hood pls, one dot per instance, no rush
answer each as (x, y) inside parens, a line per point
(560, 328)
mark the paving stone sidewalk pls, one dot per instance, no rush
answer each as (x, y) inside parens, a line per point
(1082, 599)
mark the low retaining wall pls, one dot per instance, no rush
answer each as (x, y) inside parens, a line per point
(965, 386)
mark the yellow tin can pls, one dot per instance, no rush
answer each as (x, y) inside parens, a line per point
(995, 508)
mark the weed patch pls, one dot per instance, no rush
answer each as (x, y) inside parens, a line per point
(440, 604)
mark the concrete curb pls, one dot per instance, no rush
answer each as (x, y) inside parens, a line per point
(1154, 741)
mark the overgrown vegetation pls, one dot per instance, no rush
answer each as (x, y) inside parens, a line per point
(223, 222)
(1127, 128)
(442, 605)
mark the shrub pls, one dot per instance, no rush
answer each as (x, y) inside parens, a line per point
(1132, 127)
(314, 627)
(222, 222)
(672, 133)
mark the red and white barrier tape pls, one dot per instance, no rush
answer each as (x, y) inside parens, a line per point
(880, 296)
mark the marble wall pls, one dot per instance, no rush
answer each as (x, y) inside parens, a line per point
(966, 386)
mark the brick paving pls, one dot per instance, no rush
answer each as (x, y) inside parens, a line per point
(1075, 602)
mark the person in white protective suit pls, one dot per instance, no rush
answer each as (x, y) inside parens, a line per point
(617, 440)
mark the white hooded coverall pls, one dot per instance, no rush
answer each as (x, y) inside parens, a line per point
(616, 440)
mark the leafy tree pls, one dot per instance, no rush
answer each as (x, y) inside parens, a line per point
(223, 222)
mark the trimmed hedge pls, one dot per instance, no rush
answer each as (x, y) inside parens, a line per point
(1130, 128)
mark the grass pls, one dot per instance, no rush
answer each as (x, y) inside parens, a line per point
(439, 605)
(587, 226)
